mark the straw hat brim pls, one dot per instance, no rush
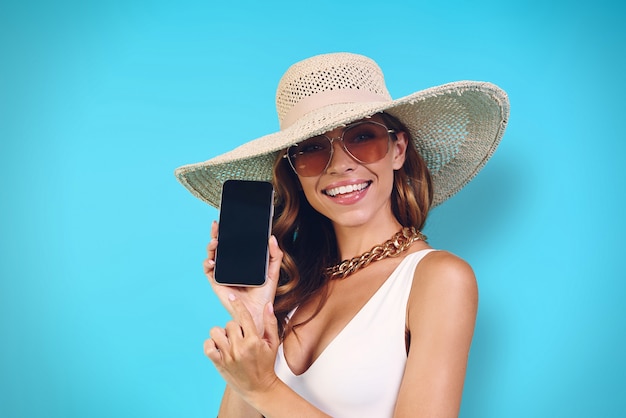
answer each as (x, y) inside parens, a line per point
(456, 128)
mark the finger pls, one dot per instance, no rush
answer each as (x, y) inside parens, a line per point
(233, 331)
(210, 248)
(213, 243)
(214, 229)
(218, 335)
(212, 352)
(208, 265)
(271, 326)
(275, 260)
(209, 262)
(242, 316)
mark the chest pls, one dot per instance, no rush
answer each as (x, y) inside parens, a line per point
(323, 318)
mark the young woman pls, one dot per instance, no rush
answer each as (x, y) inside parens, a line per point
(387, 331)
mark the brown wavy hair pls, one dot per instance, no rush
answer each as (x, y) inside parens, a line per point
(307, 238)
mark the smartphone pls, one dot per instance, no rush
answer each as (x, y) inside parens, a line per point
(245, 224)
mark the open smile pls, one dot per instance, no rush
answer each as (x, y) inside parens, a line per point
(347, 189)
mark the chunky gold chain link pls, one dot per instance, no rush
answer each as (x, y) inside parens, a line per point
(395, 246)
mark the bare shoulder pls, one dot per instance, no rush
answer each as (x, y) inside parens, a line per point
(444, 268)
(444, 281)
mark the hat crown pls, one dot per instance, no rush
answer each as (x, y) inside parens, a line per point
(328, 79)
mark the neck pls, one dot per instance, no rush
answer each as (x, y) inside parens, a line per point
(353, 241)
(393, 247)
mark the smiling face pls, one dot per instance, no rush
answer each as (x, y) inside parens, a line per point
(351, 193)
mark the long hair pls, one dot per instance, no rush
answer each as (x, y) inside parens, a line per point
(307, 238)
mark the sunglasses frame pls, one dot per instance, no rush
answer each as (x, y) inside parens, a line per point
(343, 146)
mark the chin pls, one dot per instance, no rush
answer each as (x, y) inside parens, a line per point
(351, 219)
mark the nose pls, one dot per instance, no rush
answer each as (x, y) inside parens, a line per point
(340, 161)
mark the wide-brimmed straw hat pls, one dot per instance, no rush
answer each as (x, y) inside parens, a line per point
(456, 126)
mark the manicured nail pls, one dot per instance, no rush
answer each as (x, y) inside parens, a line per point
(231, 297)
(270, 307)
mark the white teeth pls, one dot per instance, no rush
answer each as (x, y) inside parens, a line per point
(345, 189)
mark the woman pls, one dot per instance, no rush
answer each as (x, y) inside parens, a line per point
(388, 331)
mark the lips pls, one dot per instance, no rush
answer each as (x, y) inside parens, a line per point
(346, 189)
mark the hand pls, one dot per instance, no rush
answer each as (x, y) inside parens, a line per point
(254, 298)
(244, 358)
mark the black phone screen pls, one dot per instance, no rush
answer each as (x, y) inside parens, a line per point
(245, 224)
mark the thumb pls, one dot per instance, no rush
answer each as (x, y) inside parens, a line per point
(271, 326)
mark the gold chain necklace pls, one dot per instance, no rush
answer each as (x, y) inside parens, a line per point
(393, 247)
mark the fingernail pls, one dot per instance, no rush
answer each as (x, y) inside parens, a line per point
(231, 297)
(270, 307)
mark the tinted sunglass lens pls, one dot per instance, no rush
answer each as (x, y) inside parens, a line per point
(368, 142)
(310, 158)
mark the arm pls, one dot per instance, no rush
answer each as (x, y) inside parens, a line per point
(440, 316)
(233, 405)
(246, 361)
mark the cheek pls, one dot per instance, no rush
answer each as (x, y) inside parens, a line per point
(386, 178)
(387, 182)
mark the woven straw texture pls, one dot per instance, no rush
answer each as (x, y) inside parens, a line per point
(456, 126)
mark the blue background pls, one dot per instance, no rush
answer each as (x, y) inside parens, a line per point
(104, 306)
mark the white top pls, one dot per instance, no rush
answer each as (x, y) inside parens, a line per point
(359, 373)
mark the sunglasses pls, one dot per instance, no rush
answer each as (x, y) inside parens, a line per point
(365, 141)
